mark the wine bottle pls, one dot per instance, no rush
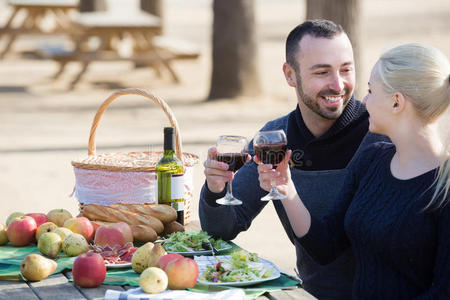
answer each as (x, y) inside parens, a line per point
(170, 176)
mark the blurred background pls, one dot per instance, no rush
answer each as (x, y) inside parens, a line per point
(218, 64)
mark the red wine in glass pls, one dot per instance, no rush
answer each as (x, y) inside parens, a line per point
(234, 160)
(232, 150)
(271, 153)
(270, 148)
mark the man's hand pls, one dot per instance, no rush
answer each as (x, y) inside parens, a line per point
(216, 172)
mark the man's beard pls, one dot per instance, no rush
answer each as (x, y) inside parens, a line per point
(329, 113)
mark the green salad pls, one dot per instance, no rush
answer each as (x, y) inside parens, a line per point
(191, 242)
(243, 266)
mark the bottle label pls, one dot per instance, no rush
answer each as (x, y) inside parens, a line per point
(178, 206)
(171, 190)
(177, 188)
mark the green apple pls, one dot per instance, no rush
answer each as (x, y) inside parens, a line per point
(13, 216)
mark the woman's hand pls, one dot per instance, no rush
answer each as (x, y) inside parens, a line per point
(281, 175)
(297, 213)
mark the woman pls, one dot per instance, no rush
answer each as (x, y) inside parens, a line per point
(393, 209)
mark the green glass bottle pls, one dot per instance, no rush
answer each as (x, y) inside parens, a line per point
(170, 173)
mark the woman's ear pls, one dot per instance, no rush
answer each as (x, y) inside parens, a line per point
(398, 103)
(289, 74)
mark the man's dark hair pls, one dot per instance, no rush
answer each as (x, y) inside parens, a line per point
(318, 28)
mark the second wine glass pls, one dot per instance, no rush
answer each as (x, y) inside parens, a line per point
(270, 148)
(232, 150)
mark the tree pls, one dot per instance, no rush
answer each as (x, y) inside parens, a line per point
(347, 13)
(91, 5)
(154, 7)
(234, 50)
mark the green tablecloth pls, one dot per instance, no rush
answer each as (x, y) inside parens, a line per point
(11, 258)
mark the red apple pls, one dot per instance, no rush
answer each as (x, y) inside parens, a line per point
(89, 270)
(165, 259)
(97, 224)
(21, 231)
(182, 273)
(113, 234)
(81, 225)
(40, 218)
(59, 216)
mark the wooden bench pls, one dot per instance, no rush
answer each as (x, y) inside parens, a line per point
(178, 48)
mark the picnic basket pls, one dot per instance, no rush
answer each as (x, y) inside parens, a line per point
(128, 177)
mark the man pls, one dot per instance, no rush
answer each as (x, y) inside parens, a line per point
(324, 131)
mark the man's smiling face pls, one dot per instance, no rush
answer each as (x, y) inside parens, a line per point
(325, 74)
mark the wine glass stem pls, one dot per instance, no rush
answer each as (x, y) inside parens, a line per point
(229, 190)
(273, 184)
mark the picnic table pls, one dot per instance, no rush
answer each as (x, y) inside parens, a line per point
(34, 13)
(143, 33)
(58, 286)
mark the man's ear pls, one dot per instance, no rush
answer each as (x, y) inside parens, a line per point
(398, 103)
(289, 74)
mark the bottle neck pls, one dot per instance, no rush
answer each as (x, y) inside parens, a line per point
(169, 143)
(170, 152)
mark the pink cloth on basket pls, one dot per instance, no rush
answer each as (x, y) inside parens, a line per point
(108, 187)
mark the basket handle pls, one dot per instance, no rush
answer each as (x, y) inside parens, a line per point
(133, 91)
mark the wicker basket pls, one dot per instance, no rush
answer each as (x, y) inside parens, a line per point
(127, 177)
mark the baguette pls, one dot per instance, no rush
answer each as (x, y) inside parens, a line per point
(164, 213)
(172, 227)
(143, 233)
(109, 214)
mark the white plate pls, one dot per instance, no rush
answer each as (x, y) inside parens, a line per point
(201, 252)
(204, 261)
(111, 266)
(118, 266)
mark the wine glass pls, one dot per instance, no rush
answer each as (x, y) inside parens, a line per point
(270, 148)
(231, 149)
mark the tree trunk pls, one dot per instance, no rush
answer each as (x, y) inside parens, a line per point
(234, 50)
(348, 14)
(154, 7)
(91, 5)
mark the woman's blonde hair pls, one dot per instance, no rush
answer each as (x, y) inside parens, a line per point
(422, 74)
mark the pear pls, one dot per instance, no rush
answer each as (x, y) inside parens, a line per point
(75, 244)
(157, 252)
(140, 258)
(49, 244)
(63, 232)
(43, 228)
(3, 236)
(35, 267)
(153, 280)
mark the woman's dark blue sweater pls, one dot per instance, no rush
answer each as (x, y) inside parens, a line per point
(402, 251)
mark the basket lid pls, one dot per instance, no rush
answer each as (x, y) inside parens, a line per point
(128, 161)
